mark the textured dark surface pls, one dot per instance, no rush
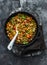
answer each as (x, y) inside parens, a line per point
(36, 6)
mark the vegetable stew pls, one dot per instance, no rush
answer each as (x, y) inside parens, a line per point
(26, 28)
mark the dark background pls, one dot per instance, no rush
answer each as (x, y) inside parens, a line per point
(32, 6)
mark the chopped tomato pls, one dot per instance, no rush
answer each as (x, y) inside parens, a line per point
(14, 28)
(28, 35)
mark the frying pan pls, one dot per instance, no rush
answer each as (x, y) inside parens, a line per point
(22, 46)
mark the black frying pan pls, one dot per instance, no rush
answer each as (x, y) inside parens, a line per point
(37, 30)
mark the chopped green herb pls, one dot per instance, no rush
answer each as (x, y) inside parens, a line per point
(25, 42)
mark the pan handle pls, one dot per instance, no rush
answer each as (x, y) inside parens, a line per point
(22, 2)
(16, 10)
(20, 8)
